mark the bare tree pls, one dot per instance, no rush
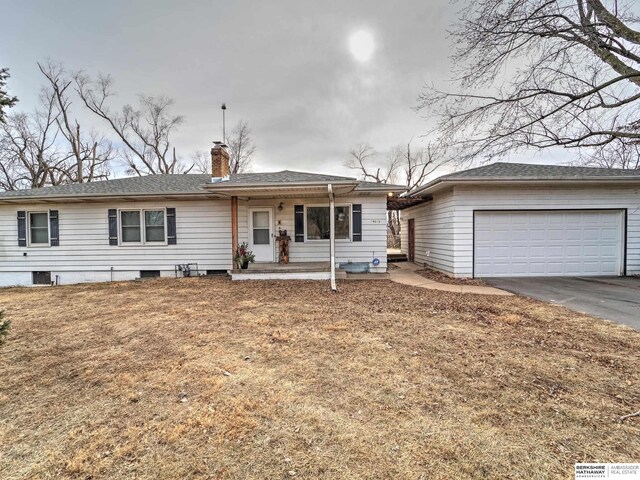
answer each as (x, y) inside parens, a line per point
(28, 155)
(410, 167)
(91, 152)
(201, 162)
(145, 131)
(241, 151)
(365, 159)
(540, 74)
(420, 163)
(624, 155)
(46, 146)
(241, 148)
(402, 166)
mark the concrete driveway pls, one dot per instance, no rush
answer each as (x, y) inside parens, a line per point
(611, 298)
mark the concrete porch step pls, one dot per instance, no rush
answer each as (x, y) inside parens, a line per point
(273, 267)
(292, 271)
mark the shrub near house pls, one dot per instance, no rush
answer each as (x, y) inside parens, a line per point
(4, 327)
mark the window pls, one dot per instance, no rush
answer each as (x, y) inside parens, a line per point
(154, 226)
(133, 223)
(130, 222)
(149, 273)
(318, 225)
(39, 228)
(41, 278)
(261, 228)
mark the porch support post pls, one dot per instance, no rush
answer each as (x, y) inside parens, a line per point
(234, 227)
(332, 238)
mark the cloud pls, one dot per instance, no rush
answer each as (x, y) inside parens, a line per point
(283, 67)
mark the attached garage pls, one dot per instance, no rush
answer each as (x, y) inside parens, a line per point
(524, 220)
(522, 243)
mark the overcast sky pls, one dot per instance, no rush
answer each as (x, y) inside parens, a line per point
(285, 67)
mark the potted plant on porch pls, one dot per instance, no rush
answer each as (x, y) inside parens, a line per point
(243, 256)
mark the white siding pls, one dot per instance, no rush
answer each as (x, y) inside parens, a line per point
(433, 232)
(468, 199)
(203, 236)
(374, 230)
(203, 233)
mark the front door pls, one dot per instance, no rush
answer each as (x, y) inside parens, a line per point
(412, 239)
(261, 233)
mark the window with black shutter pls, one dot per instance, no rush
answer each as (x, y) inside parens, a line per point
(132, 227)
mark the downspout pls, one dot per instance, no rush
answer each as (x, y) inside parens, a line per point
(332, 238)
(234, 229)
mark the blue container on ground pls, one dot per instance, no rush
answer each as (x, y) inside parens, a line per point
(355, 267)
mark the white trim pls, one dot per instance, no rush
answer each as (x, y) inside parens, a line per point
(28, 220)
(325, 240)
(143, 230)
(623, 243)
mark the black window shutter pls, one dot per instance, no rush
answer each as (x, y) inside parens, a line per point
(357, 222)
(171, 226)
(54, 228)
(22, 229)
(113, 226)
(299, 217)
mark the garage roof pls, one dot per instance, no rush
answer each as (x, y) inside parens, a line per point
(504, 172)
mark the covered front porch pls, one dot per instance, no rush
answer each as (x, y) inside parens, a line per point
(292, 236)
(314, 228)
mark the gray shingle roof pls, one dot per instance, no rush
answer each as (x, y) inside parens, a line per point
(285, 176)
(149, 185)
(506, 171)
(178, 185)
(530, 171)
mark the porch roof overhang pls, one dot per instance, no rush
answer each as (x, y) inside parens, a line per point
(400, 203)
(301, 189)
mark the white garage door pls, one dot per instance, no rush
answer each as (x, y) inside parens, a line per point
(548, 243)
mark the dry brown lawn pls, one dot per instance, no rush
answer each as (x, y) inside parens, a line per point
(441, 277)
(205, 378)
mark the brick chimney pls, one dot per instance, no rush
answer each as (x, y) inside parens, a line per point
(219, 160)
